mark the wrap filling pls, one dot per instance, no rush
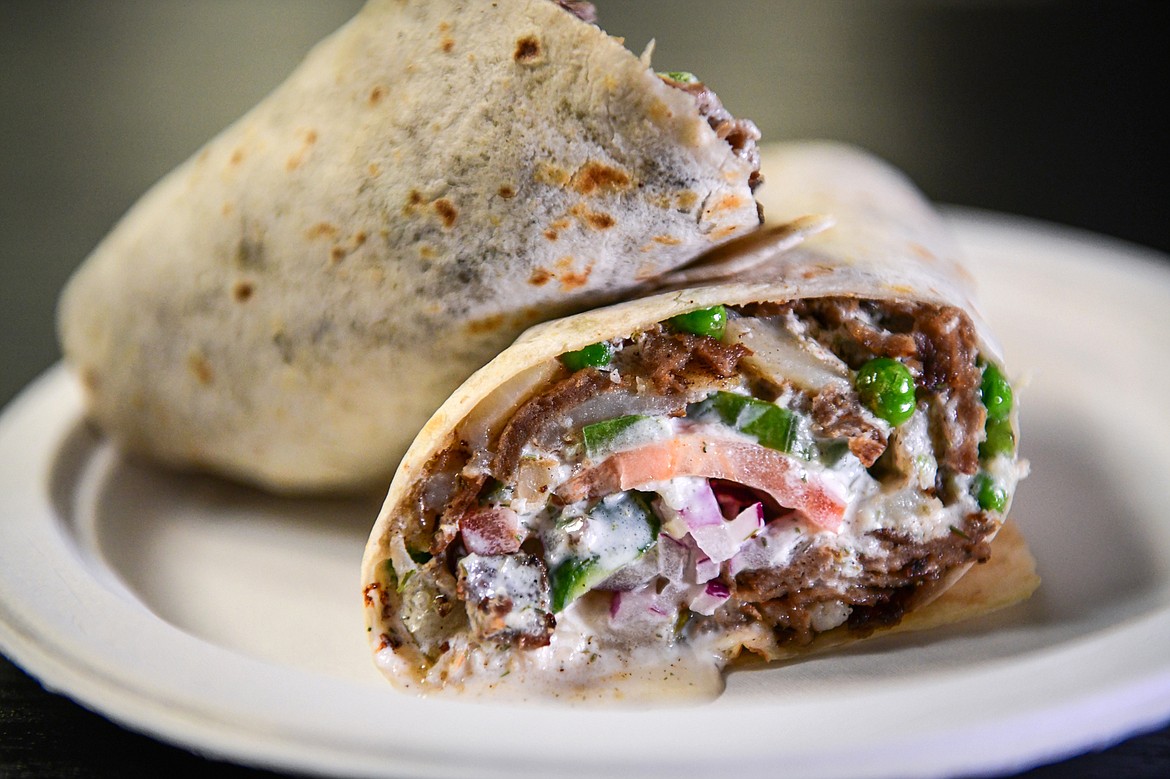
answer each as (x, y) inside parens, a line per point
(734, 477)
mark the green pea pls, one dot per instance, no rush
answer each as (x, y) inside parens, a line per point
(996, 393)
(1000, 439)
(887, 388)
(703, 321)
(991, 494)
(592, 356)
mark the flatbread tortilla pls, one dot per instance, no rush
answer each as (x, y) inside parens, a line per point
(291, 304)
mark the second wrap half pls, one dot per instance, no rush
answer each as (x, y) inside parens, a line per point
(803, 456)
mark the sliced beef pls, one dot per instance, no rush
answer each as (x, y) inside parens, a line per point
(545, 409)
(507, 599)
(741, 134)
(839, 414)
(785, 598)
(674, 362)
(937, 343)
(673, 365)
(947, 344)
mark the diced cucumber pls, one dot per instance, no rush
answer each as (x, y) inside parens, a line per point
(603, 438)
(572, 579)
(614, 533)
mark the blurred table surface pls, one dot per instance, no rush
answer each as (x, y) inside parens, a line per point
(47, 735)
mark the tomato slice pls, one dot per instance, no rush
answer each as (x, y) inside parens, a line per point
(784, 477)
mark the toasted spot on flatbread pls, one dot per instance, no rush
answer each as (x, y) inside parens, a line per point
(647, 270)
(376, 95)
(719, 233)
(506, 191)
(488, 324)
(528, 50)
(660, 111)
(598, 220)
(921, 251)
(815, 271)
(686, 200)
(368, 599)
(540, 277)
(294, 160)
(321, 230)
(236, 157)
(597, 177)
(666, 240)
(200, 368)
(90, 379)
(446, 211)
(547, 173)
(446, 42)
(242, 291)
(728, 202)
(249, 253)
(553, 231)
(571, 278)
(339, 251)
(414, 199)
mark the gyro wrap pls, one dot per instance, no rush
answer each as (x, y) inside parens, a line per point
(808, 454)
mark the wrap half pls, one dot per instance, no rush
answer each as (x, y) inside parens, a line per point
(290, 305)
(775, 465)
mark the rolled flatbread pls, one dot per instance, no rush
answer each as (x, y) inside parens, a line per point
(808, 454)
(291, 304)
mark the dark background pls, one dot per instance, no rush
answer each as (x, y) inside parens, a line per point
(1053, 110)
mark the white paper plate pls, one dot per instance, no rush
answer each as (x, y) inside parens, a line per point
(230, 622)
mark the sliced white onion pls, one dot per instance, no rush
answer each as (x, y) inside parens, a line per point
(709, 597)
(673, 557)
(783, 356)
(638, 607)
(704, 570)
(747, 523)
